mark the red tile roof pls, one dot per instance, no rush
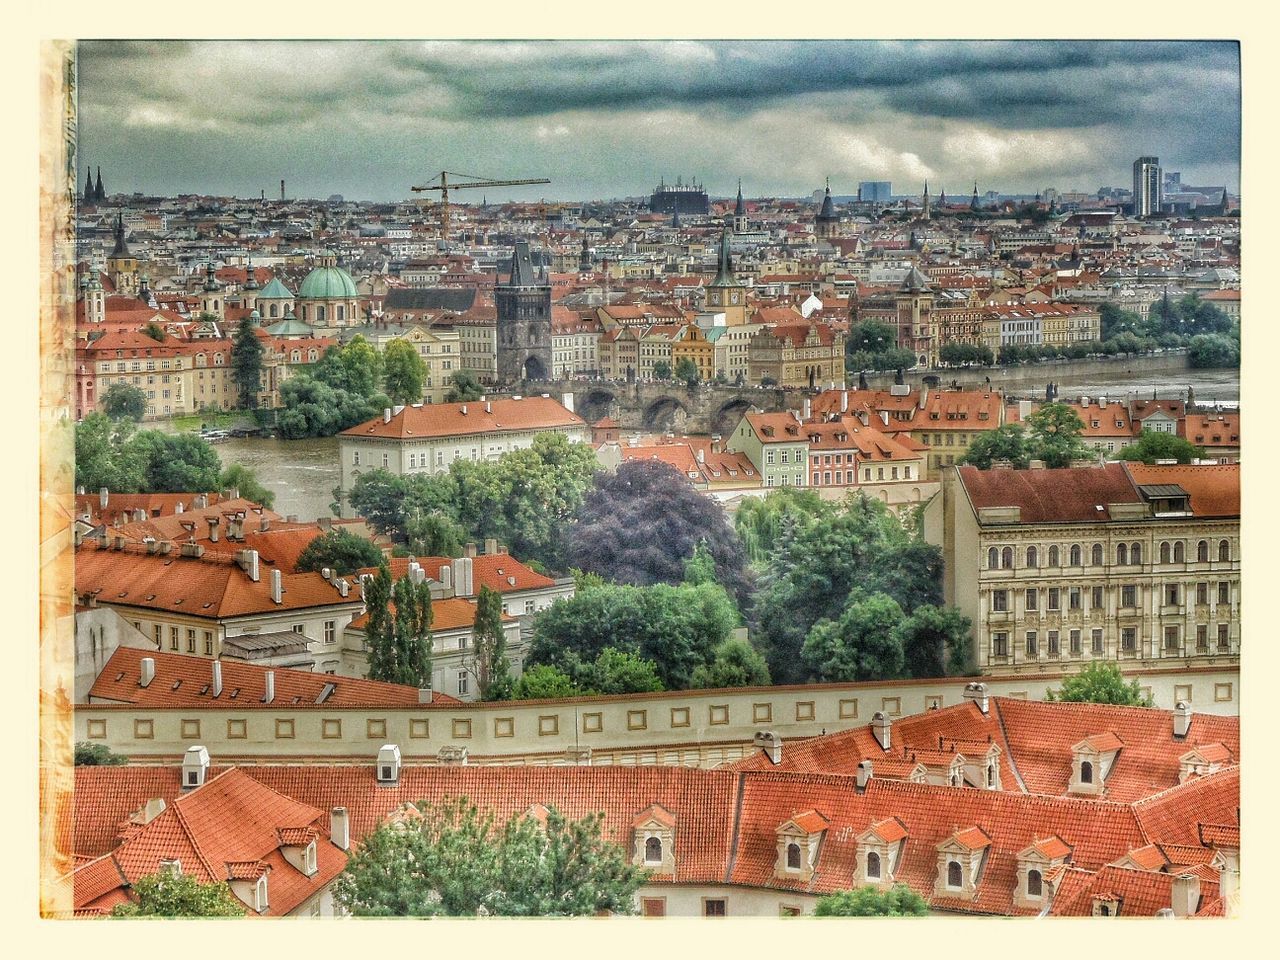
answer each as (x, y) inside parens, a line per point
(430, 420)
(1051, 496)
(1214, 488)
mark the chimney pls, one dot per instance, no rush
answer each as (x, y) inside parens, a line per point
(977, 692)
(388, 765)
(463, 409)
(468, 568)
(217, 678)
(424, 694)
(213, 529)
(702, 454)
(469, 550)
(248, 560)
(277, 587)
(715, 442)
(864, 774)
(447, 578)
(386, 414)
(327, 573)
(490, 545)
(884, 415)
(844, 401)
(1181, 719)
(179, 507)
(488, 407)
(148, 671)
(340, 828)
(325, 524)
(880, 729)
(199, 503)
(195, 767)
(808, 408)
(924, 395)
(771, 744)
(567, 401)
(269, 679)
(264, 525)
(154, 807)
(343, 588)
(103, 496)
(1102, 403)
(397, 409)
(1185, 894)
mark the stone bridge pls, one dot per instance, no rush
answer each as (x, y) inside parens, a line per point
(662, 407)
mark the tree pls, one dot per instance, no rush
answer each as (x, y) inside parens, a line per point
(124, 401)
(167, 894)
(1213, 350)
(315, 408)
(935, 641)
(237, 476)
(246, 364)
(403, 372)
(662, 370)
(97, 755)
(339, 550)
(545, 682)
(760, 521)
(101, 459)
(639, 525)
(736, 664)
(155, 332)
(456, 860)
(1008, 442)
(898, 901)
(434, 534)
(687, 371)
(175, 463)
(1100, 682)
(398, 639)
(617, 671)
(1152, 445)
(463, 388)
(490, 666)
(864, 644)
(1054, 433)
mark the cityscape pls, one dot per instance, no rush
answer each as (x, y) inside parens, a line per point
(703, 533)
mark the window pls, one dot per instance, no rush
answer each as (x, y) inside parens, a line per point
(1202, 593)
(1073, 599)
(1095, 598)
(191, 641)
(1053, 556)
(173, 638)
(1076, 555)
(1224, 636)
(653, 906)
(1171, 639)
(1000, 600)
(159, 635)
(1129, 596)
(1033, 883)
(330, 631)
(1096, 641)
(208, 644)
(1074, 639)
(1128, 639)
(1179, 552)
(1053, 643)
(1164, 551)
(462, 682)
(1032, 649)
(714, 908)
(993, 556)
(1086, 771)
(1000, 645)
(1031, 599)
(1006, 558)
(386, 461)
(1224, 592)
(1033, 557)
(1097, 555)
(1054, 602)
(653, 850)
(1202, 551)
(1202, 638)
(1171, 594)
(793, 856)
(955, 876)
(1135, 554)
(1224, 550)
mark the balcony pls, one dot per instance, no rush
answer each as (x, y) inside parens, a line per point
(1173, 610)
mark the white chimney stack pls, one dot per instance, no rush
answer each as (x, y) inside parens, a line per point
(1186, 895)
(270, 680)
(864, 774)
(103, 497)
(195, 767)
(880, 726)
(340, 828)
(217, 678)
(277, 587)
(148, 671)
(808, 408)
(386, 414)
(424, 694)
(771, 744)
(446, 580)
(977, 692)
(1181, 719)
(568, 402)
(343, 588)
(213, 529)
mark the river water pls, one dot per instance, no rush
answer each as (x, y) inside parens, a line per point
(303, 473)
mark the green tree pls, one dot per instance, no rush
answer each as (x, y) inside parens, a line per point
(463, 388)
(736, 664)
(701, 566)
(898, 901)
(124, 401)
(687, 371)
(864, 644)
(379, 497)
(1100, 682)
(545, 682)
(237, 476)
(175, 463)
(1213, 351)
(168, 894)
(155, 332)
(1054, 432)
(490, 665)
(434, 534)
(457, 860)
(101, 458)
(760, 521)
(617, 671)
(1008, 442)
(398, 637)
(97, 755)
(403, 372)
(935, 641)
(1152, 445)
(662, 370)
(339, 550)
(246, 364)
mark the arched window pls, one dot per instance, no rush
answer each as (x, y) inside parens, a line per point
(653, 850)
(1033, 557)
(793, 856)
(1053, 556)
(273, 309)
(1006, 558)
(991, 776)
(955, 877)
(1135, 554)
(1202, 551)
(993, 558)
(1033, 883)
(320, 314)
(1122, 554)
(296, 356)
(1179, 552)
(873, 865)
(1096, 557)
(304, 314)
(1086, 771)
(1164, 551)
(1224, 550)
(1076, 554)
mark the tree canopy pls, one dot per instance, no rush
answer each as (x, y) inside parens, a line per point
(458, 860)
(168, 894)
(124, 401)
(1100, 682)
(735, 664)
(398, 629)
(1153, 445)
(246, 364)
(463, 388)
(489, 662)
(404, 372)
(1052, 433)
(340, 391)
(898, 901)
(864, 644)
(341, 551)
(90, 754)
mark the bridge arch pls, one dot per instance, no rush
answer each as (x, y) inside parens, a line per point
(729, 414)
(665, 414)
(596, 402)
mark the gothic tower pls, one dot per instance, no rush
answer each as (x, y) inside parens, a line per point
(121, 265)
(88, 196)
(524, 321)
(827, 221)
(914, 301)
(973, 204)
(740, 213)
(725, 294)
(924, 206)
(584, 258)
(98, 193)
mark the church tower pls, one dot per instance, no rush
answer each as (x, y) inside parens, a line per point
(121, 265)
(95, 298)
(914, 301)
(88, 195)
(828, 221)
(924, 206)
(211, 299)
(249, 292)
(725, 294)
(740, 213)
(98, 193)
(524, 321)
(973, 204)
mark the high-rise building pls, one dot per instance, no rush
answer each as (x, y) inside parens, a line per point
(875, 191)
(1148, 186)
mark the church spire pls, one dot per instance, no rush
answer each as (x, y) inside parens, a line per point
(973, 204)
(98, 192)
(121, 248)
(88, 196)
(250, 280)
(739, 209)
(924, 206)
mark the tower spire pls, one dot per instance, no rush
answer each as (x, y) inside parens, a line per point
(98, 192)
(88, 196)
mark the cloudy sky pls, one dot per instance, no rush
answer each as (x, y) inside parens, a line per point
(609, 118)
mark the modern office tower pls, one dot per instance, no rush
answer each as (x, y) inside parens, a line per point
(1148, 186)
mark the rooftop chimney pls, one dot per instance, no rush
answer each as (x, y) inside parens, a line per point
(1181, 719)
(702, 454)
(1185, 894)
(195, 767)
(424, 694)
(864, 774)
(977, 692)
(469, 550)
(213, 529)
(386, 414)
(270, 680)
(340, 828)
(277, 587)
(103, 497)
(148, 671)
(264, 524)
(567, 401)
(343, 588)
(771, 744)
(217, 678)
(844, 401)
(248, 560)
(154, 807)
(808, 408)
(880, 729)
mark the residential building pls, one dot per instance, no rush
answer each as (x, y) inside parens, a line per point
(806, 354)
(776, 445)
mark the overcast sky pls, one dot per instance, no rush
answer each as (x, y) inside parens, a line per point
(608, 119)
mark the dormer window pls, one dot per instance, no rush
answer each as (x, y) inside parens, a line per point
(799, 840)
(653, 850)
(260, 894)
(1035, 884)
(309, 859)
(653, 843)
(955, 875)
(1086, 771)
(873, 866)
(793, 856)
(1091, 762)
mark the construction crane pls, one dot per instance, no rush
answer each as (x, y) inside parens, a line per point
(443, 184)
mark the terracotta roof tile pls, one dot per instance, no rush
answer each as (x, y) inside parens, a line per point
(430, 420)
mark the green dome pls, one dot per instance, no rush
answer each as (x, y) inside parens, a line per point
(328, 283)
(275, 290)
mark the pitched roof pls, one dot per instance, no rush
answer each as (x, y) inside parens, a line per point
(1051, 496)
(426, 421)
(1214, 488)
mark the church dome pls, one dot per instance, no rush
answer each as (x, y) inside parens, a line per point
(328, 282)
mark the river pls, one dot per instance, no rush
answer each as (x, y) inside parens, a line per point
(303, 473)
